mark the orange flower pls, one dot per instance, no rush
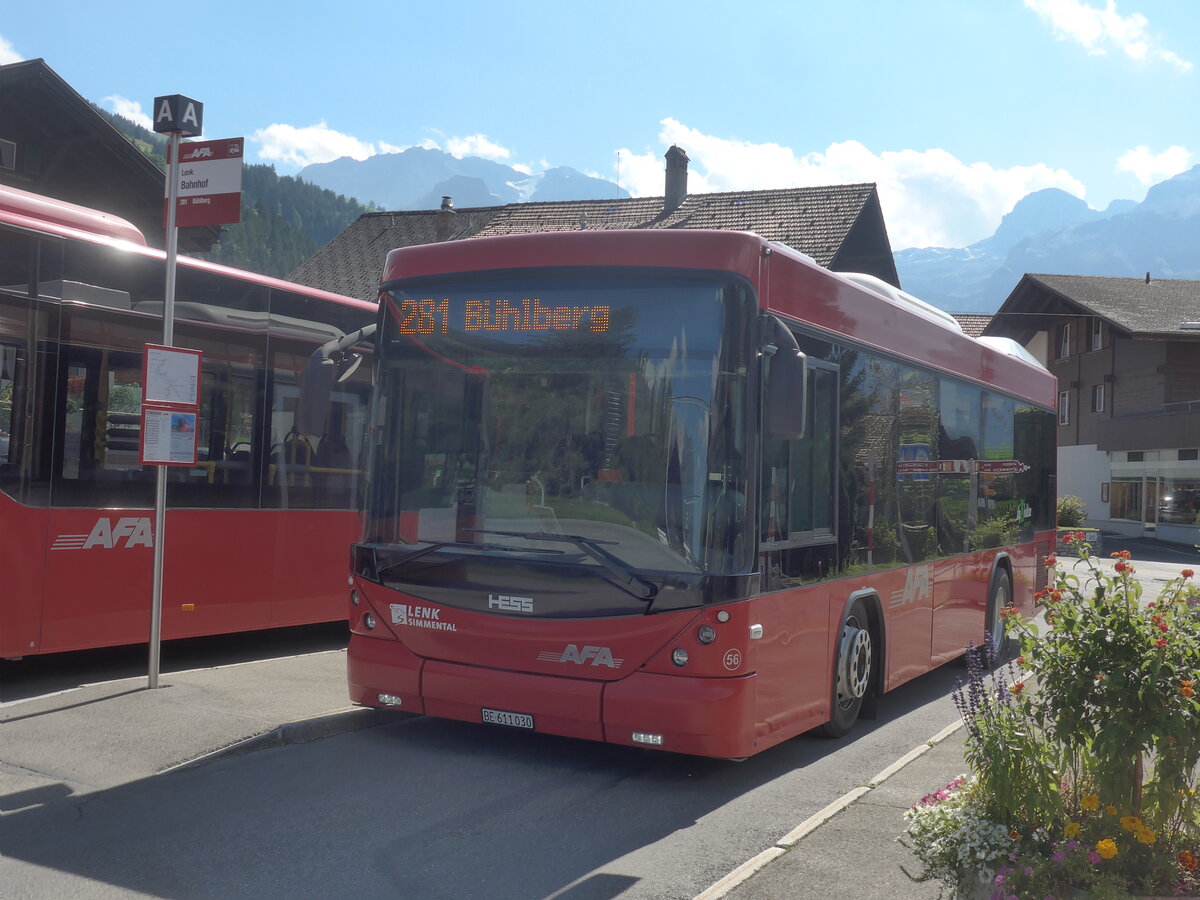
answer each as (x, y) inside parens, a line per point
(1090, 802)
(1188, 860)
(1107, 848)
(1051, 562)
(1017, 687)
(1186, 689)
(1187, 573)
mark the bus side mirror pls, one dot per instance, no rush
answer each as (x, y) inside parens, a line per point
(316, 384)
(786, 390)
(787, 393)
(329, 364)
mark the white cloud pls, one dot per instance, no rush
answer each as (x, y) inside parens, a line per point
(303, 146)
(1098, 30)
(130, 109)
(295, 147)
(929, 198)
(1151, 168)
(477, 145)
(8, 53)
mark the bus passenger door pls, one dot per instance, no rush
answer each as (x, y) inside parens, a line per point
(798, 546)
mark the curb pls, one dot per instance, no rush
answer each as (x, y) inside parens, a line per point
(743, 872)
(305, 731)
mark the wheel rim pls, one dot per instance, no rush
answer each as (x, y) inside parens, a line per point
(854, 666)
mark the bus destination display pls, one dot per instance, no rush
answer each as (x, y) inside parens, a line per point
(429, 316)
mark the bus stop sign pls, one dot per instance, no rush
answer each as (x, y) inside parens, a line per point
(177, 113)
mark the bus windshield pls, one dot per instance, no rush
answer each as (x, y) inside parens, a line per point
(579, 418)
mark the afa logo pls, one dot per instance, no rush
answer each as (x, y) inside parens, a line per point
(588, 655)
(918, 588)
(123, 534)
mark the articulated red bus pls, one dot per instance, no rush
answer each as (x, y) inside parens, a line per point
(682, 489)
(257, 531)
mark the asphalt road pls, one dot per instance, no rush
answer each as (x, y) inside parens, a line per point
(427, 808)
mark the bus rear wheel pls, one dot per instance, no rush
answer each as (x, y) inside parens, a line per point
(853, 671)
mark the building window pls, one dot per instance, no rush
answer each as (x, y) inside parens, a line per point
(1097, 341)
(1064, 407)
(1186, 455)
(1064, 340)
(1098, 398)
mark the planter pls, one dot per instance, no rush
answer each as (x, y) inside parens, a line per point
(980, 886)
(1091, 535)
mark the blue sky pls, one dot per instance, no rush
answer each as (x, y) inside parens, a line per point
(955, 108)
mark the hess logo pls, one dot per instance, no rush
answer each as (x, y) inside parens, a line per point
(509, 603)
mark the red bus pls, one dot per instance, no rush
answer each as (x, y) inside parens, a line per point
(682, 489)
(258, 530)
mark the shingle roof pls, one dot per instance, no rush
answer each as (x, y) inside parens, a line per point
(840, 226)
(1142, 309)
(971, 324)
(814, 220)
(352, 263)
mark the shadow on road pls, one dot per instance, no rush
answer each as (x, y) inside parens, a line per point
(36, 675)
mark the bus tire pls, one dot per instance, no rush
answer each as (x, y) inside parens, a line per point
(853, 671)
(1000, 596)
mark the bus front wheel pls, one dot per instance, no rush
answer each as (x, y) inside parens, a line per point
(853, 671)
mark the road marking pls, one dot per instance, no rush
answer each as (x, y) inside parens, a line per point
(743, 872)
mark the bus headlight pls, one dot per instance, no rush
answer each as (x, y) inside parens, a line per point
(706, 634)
(679, 656)
(369, 621)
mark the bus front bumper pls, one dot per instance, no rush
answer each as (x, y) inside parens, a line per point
(680, 714)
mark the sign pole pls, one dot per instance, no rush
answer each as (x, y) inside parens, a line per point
(176, 116)
(160, 480)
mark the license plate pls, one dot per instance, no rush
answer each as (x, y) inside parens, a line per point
(512, 719)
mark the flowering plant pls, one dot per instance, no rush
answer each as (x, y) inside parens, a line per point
(1084, 754)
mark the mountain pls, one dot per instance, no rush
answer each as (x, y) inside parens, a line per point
(1051, 231)
(285, 221)
(418, 178)
(965, 279)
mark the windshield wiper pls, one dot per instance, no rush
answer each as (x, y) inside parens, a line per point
(624, 575)
(395, 562)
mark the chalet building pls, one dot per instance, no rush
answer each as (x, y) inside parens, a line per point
(841, 227)
(53, 142)
(1127, 355)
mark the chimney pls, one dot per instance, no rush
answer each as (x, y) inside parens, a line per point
(445, 220)
(677, 165)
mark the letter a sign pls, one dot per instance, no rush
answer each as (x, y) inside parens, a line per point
(178, 113)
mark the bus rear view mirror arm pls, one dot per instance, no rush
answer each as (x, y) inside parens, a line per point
(329, 364)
